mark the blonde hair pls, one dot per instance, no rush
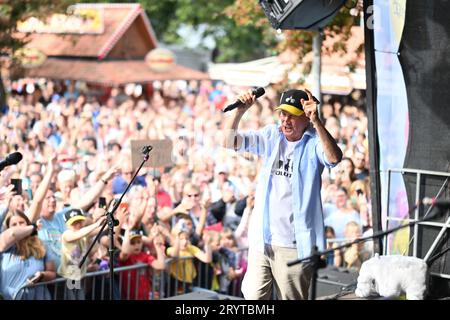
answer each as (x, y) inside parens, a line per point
(190, 186)
(66, 175)
(351, 227)
(360, 184)
(29, 246)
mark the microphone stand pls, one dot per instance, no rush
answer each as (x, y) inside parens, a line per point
(112, 222)
(317, 263)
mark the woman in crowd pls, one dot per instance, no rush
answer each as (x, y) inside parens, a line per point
(24, 261)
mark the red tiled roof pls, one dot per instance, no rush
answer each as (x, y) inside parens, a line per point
(117, 19)
(110, 72)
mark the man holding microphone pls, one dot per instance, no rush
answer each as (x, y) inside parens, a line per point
(287, 219)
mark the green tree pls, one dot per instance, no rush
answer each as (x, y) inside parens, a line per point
(233, 42)
(12, 12)
(239, 28)
(299, 41)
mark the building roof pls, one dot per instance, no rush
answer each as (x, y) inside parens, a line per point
(112, 54)
(110, 73)
(117, 18)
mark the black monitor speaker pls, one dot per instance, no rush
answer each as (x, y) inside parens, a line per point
(332, 281)
(300, 14)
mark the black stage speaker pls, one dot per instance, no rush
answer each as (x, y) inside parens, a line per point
(300, 14)
(332, 280)
(424, 53)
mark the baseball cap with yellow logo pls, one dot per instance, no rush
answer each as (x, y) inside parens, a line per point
(74, 215)
(290, 101)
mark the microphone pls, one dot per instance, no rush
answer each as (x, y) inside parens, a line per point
(258, 92)
(147, 149)
(436, 203)
(10, 159)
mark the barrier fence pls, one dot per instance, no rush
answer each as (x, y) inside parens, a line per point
(138, 282)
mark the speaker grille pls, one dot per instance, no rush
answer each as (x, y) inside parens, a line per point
(300, 14)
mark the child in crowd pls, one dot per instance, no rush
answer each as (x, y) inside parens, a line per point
(74, 244)
(355, 255)
(332, 258)
(228, 260)
(182, 268)
(132, 253)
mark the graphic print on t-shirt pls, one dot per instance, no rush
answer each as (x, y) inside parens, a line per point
(283, 167)
(280, 198)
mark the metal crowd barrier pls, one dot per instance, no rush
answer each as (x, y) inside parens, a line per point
(95, 285)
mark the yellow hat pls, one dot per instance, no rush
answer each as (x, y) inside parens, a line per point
(73, 215)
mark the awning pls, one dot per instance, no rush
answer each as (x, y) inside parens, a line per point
(110, 72)
(338, 80)
(336, 75)
(263, 72)
(258, 73)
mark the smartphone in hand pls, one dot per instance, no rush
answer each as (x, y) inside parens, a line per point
(34, 279)
(102, 202)
(17, 183)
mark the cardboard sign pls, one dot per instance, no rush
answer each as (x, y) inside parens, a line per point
(160, 155)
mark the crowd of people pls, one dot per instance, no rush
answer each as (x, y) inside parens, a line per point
(76, 149)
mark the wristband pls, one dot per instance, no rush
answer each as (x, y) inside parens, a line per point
(35, 230)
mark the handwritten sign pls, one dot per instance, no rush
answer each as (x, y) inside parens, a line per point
(160, 155)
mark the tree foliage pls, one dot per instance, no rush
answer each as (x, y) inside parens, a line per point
(233, 42)
(298, 41)
(12, 12)
(239, 27)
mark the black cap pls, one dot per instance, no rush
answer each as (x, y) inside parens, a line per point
(290, 101)
(74, 215)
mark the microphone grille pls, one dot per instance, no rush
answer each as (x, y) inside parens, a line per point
(14, 158)
(258, 92)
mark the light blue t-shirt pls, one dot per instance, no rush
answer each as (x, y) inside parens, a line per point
(3, 212)
(14, 273)
(51, 233)
(338, 220)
